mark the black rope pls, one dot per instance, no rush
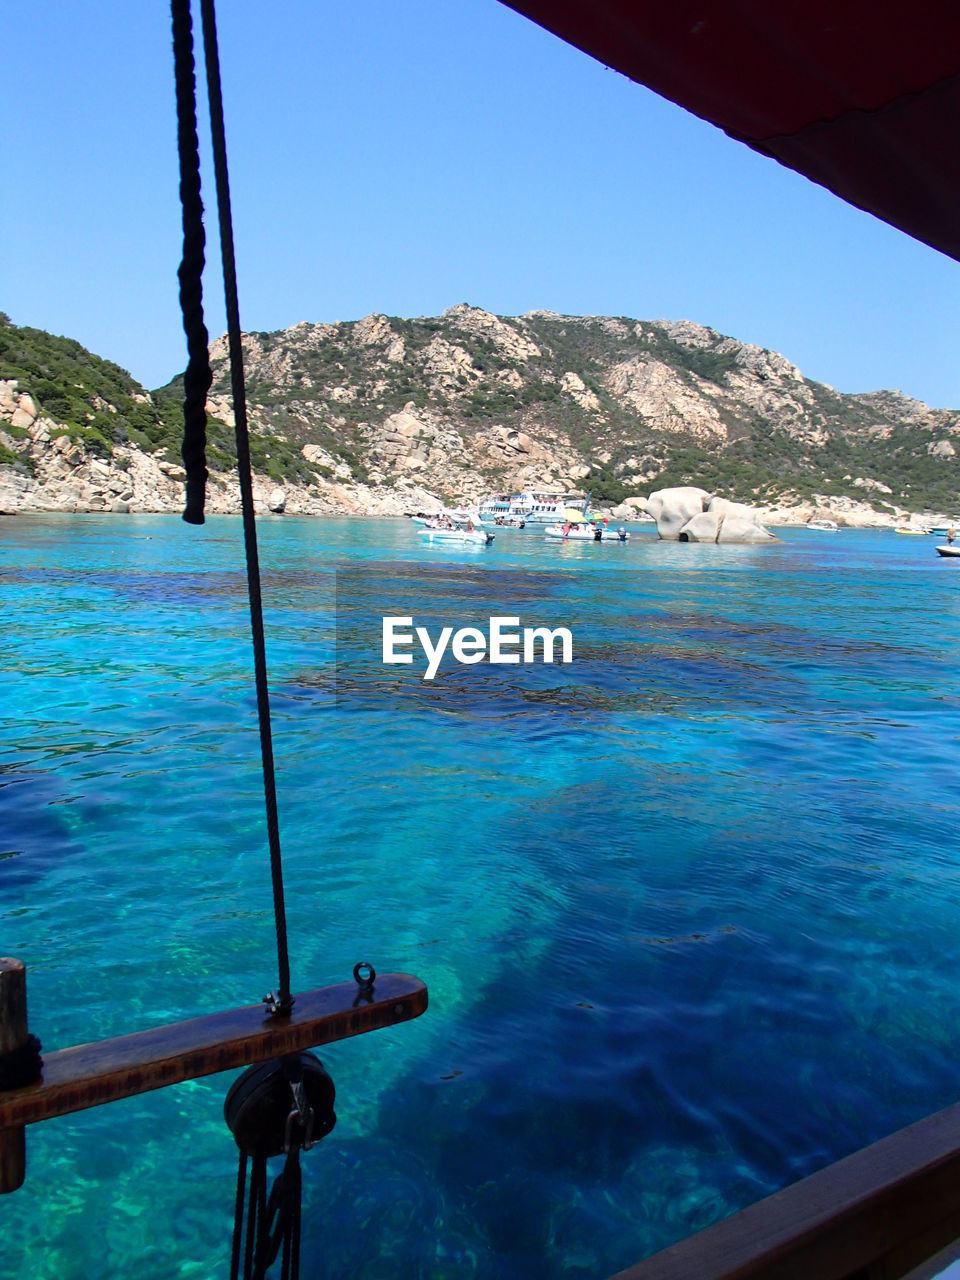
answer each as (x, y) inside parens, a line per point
(198, 377)
(238, 1217)
(264, 1225)
(280, 1002)
(21, 1066)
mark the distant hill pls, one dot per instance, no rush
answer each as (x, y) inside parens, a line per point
(352, 414)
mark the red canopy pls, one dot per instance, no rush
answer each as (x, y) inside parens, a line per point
(861, 97)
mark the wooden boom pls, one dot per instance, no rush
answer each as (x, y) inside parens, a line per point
(88, 1075)
(876, 1215)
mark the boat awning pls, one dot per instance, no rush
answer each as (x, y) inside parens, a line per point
(862, 98)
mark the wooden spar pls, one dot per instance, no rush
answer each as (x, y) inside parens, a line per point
(90, 1074)
(876, 1215)
(13, 1035)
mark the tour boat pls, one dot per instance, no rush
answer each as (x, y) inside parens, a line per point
(824, 525)
(535, 506)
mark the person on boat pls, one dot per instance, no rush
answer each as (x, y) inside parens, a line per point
(951, 533)
(622, 534)
(566, 529)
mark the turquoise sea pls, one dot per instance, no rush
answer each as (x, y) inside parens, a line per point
(688, 909)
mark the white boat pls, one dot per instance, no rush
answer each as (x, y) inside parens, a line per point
(496, 508)
(535, 506)
(461, 528)
(459, 537)
(584, 533)
(824, 525)
(948, 551)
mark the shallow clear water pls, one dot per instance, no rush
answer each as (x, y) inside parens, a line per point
(688, 910)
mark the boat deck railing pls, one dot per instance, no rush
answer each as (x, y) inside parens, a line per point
(879, 1214)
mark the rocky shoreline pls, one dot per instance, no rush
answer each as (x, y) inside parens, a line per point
(58, 474)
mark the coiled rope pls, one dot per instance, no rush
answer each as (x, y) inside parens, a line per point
(279, 1002)
(21, 1066)
(198, 377)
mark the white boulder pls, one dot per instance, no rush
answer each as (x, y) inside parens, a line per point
(743, 529)
(703, 527)
(672, 508)
(689, 514)
(712, 526)
(277, 501)
(623, 511)
(724, 507)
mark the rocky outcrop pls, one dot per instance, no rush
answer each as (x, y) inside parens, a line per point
(376, 331)
(942, 449)
(25, 414)
(448, 365)
(579, 392)
(664, 399)
(506, 339)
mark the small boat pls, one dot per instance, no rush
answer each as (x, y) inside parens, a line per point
(453, 514)
(458, 528)
(918, 532)
(584, 533)
(824, 525)
(949, 550)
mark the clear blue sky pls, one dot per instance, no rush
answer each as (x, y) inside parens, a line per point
(403, 157)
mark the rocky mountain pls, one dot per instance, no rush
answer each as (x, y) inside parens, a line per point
(378, 414)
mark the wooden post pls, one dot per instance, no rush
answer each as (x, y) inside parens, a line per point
(13, 1035)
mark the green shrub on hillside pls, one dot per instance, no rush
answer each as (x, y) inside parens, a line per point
(605, 488)
(72, 386)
